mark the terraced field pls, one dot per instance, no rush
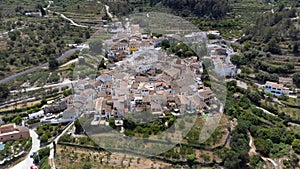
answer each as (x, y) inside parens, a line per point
(12, 8)
(81, 11)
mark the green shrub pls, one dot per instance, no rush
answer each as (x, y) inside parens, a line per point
(211, 36)
(296, 145)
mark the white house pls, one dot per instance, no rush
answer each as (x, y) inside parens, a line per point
(215, 32)
(110, 53)
(275, 88)
(145, 91)
(35, 115)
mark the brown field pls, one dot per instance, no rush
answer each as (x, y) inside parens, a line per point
(68, 157)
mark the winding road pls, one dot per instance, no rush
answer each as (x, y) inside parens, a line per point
(63, 16)
(27, 162)
(107, 11)
(4, 33)
(253, 152)
(64, 55)
(72, 22)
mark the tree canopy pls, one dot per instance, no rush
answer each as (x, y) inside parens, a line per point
(215, 9)
(3, 91)
(296, 78)
(53, 63)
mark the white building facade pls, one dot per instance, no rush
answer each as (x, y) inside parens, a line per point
(275, 88)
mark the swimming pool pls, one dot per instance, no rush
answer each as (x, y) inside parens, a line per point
(2, 147)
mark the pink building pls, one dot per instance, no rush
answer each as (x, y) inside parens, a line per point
(13, 132)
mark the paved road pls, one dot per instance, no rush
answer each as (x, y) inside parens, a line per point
(63, 16)
(65, 83)
(26, 163)
(64, 55)
(67, 53)
(107, 11)
(51, 156)
(72, 22)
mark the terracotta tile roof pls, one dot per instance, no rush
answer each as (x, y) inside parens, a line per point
(276, 85)
(141, 79)
(159, 83)
(135, 85)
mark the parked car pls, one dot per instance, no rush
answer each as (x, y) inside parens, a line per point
(49, 114)
(32, 154)
(33, 167)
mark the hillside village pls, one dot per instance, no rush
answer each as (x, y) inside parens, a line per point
(143, 78)
(157, 78)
